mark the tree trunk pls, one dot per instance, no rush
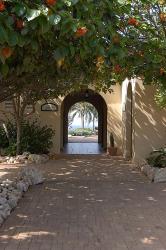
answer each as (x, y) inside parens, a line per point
(18, 124)
(6, 132)
(82, 121)
(93, 123)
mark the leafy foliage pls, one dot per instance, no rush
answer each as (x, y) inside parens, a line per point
(81, 132)
(35, 138)
(3, 138)
(86, 111)
(73, 43)
(161, 96)
(157, 158)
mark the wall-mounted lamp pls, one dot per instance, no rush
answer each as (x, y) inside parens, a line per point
(86, 93)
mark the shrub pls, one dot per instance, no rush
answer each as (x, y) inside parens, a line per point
(11, 149)
(157, 158)
(34, 139)
(3, 138)
(81, 132)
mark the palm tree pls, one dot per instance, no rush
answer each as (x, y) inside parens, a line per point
(84, 111)
(94, 115)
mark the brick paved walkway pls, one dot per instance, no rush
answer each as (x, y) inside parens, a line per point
(89, 204)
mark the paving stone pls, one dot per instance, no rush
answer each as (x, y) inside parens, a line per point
(89, 203)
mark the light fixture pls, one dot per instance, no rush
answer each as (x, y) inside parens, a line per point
(86, 94)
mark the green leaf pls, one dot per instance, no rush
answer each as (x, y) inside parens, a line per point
(3, 35)
(22, 41)
(54, 19)
(9, 22)
(32, 14)
(24, 31)
(70, 2)
(34, 45)
(19, 9)
(44, 25)
(72, 50)
(4, 69)
(60, 53)
(12, 38)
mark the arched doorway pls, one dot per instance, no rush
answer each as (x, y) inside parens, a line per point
(83, 123)
(129, 124)
(97, 101)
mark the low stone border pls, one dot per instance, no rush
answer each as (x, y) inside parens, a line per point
(12, 191)
(154, 174)
(25, 158)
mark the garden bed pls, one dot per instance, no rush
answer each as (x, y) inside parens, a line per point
(11, 191)
(154, 174)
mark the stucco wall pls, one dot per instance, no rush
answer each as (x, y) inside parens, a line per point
(52, 120)
(114, 116)
(150, 122)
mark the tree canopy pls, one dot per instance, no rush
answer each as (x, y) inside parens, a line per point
(72, 43)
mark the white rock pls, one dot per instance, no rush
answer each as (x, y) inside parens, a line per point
(26, 154)
(13, 200)
(17, 162)
(2, 200)
(4, 192)
(5, 210)
(21, 158)
(22, 186)
(149, 171)
(2, 159)
(5, 213)
(7, 183)
(11, 191)
(38, 159)
(11, 160)
(17, 193)
(32, 174)
(160, 175)
(144, 169)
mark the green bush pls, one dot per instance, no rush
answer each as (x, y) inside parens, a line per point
(3, 138)
(157, 158)
(11, 149)
(35, 138)
(81, 132)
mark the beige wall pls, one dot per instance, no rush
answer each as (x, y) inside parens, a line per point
(52, 120)
(150, 122)
(114, 116)
(114, 119)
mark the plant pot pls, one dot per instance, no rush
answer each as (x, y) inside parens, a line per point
(112, 151)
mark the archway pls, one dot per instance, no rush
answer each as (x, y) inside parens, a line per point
(97, 101)
(83, 123)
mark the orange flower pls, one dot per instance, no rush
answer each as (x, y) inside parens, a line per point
(162, 17)
(51, 2)
(133, 22)
(6, 52)
(117, 68)
(19, 24)
(2, 6)
(81, 31)
(141, 53)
